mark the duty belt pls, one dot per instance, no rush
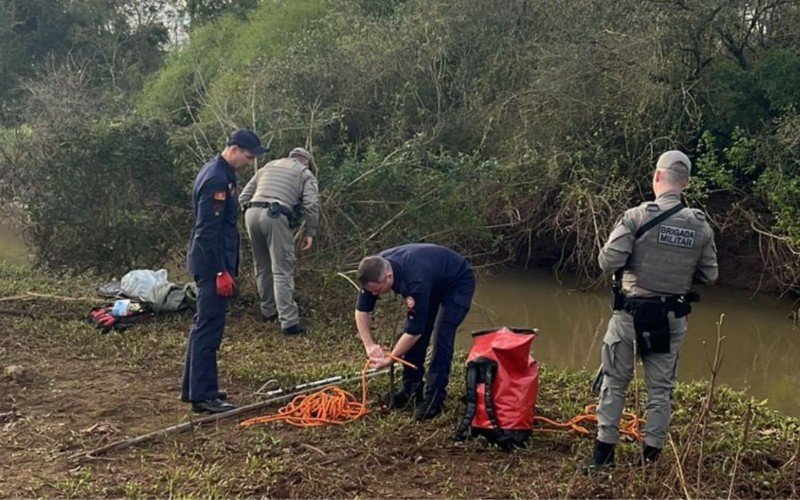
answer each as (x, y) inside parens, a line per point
(679, 304)
(274, 207)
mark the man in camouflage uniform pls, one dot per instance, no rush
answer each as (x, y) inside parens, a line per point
(273, 201)
(659, 260)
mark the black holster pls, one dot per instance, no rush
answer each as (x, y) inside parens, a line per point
(617, 298)
(296, 216)
(651, 323)
(682, 304)
(275, 210)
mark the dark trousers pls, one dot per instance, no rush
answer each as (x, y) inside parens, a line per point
(200, 370)
(444, 317)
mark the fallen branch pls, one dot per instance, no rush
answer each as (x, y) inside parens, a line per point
(177, 429)
(16, 298)
(30, 314)
(33, 296)
(61, 297)
(681, 475)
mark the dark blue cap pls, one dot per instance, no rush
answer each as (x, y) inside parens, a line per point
(247, 139)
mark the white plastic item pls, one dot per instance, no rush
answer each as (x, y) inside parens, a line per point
(142, 283)
(121, 308)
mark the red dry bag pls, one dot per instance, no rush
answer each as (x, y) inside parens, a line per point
(502, 386)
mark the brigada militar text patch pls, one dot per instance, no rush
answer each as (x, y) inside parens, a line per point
(676, 236)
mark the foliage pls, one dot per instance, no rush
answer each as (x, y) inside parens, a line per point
(423, 197)
(519, 129)
(107, 198)
(204, 11)
(122, 41)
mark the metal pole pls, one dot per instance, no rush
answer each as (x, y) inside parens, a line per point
(177, 429)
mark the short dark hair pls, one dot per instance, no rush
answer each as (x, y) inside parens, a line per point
(372, 269)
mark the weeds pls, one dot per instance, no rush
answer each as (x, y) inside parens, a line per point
(79, 377)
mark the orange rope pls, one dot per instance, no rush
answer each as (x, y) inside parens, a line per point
(329, 405)
(629, 426)
(400, 360)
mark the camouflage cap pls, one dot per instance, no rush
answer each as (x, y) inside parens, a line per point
(301, 152)
(676, 161)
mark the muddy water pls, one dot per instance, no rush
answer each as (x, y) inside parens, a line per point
(761, 348)
(12, 250)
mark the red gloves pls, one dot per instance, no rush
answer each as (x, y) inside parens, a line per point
(226, 287)
(103, 319)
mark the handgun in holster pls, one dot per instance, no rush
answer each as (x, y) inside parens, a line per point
(617, 297)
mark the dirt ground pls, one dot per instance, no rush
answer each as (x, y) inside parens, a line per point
(67, 388)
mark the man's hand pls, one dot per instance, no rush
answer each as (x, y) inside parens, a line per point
(381, 363)
(375, 353)
(226, 286)
(307, 242)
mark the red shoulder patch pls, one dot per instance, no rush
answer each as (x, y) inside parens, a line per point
(410, 302)
(220, 195)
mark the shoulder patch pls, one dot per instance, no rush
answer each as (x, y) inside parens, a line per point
(220, 195)
(652, 207)
(699, 214)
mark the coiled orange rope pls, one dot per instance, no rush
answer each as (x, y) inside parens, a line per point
(629, 426)
(329, 405)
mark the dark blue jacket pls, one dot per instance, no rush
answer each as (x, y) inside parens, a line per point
(214, 244)
(425, 275)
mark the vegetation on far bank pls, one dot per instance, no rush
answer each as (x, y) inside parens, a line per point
(511, 130)
(79, 389)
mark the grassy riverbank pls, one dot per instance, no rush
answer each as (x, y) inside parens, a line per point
(79, 389)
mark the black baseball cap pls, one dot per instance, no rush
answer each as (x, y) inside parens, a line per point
(247, 139)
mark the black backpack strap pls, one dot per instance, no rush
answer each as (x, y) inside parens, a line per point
(656, 220)
(646, 227)
(489, 371)
(471, 398)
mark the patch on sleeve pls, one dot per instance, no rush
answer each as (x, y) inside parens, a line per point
(676, 236)
(220, 195)
(410, 304)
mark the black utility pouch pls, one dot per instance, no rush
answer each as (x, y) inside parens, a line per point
(617, 300)
(296, 217)
(652, 326)
(274, 210)
(682, 308)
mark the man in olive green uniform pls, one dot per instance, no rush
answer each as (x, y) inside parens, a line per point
(273, 201)
(661, 247)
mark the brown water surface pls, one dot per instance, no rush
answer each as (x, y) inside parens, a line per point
(761, 348)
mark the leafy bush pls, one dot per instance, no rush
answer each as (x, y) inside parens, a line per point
(105, 197)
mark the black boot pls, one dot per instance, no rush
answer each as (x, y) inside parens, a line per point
(294, 330)
(429, 408)
(602, 458)
(221, 394)
(406, 398)
(650, 455)
(212, 406)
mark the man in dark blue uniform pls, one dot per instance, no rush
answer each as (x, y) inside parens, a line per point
(437, 285)
(213, 259)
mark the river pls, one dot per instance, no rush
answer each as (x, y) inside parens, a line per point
(761, 346)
